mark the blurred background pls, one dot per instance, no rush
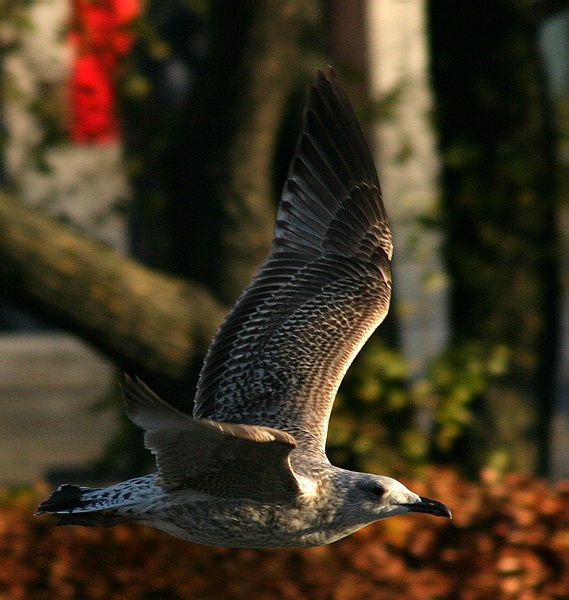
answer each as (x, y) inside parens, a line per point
(143, 148)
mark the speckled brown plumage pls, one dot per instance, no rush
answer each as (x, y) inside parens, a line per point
(249, 468)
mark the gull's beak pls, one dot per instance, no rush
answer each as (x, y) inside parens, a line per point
(431, 507)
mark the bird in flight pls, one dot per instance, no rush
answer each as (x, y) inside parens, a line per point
(249, 468)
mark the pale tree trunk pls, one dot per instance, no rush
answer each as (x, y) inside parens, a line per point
(407, 160)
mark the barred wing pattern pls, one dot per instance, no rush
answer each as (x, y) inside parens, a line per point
(280, 355)
(216, 459)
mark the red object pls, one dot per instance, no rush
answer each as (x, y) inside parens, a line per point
(100, 35)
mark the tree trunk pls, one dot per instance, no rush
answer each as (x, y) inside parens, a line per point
(499, 210)
(142, 318)
(220, 162)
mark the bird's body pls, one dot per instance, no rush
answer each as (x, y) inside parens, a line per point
(249, 469)
(327, 508)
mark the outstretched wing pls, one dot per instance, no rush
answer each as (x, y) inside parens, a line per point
(280, 355)
(218, 459)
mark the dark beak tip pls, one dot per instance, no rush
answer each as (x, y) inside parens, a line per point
(430, 507)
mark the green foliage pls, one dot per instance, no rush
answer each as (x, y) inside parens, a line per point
(13, 17)
(375, 422)
(456, 380)
(384, 421)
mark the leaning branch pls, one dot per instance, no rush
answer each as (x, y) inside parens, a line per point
(139, 317)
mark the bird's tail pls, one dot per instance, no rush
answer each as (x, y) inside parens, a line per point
(93, 507)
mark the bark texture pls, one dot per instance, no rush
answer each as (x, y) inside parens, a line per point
(142, 318)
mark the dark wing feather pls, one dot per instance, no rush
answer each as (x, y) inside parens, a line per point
(282, 352)
(219, 459)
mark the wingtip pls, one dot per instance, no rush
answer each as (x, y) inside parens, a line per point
(135, 395)
(328, 72)
(143, 404)
(128, 382)
(134, 384)
(325, 78)
(331, 73)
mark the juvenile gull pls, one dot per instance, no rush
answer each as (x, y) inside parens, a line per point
(249, 468)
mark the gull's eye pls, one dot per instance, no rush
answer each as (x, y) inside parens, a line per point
(377, 490)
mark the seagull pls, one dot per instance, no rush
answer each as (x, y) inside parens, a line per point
(249, 468)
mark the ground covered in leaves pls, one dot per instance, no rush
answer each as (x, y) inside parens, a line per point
(509, 539)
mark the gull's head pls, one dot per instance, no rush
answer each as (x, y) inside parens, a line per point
(383, 497)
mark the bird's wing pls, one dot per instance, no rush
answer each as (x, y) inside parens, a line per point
(281, 353)
(219, 459)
